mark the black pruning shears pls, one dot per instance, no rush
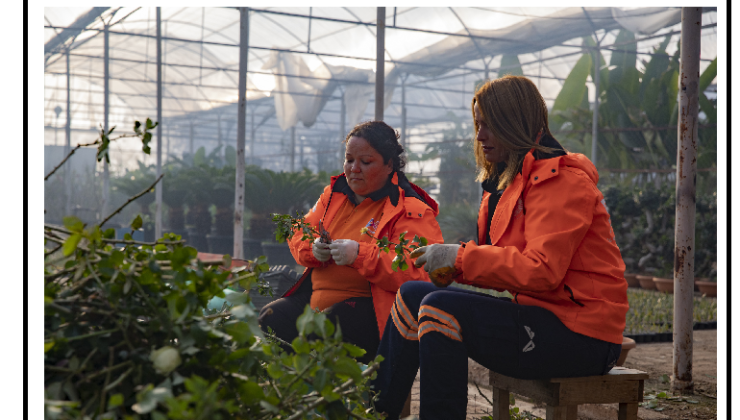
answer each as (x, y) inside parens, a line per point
(324, 236)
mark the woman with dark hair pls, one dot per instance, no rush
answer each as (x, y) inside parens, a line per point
(545, 236)
(349, 278)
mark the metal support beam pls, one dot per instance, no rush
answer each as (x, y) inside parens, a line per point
(342, 130)
(106, 114)
(310, 15)
(688, 132)
(68, 146)
(241, 132)
(292, 149)
(251, 138)
(403, 112)
(380, 64)
(595, 122)
(192, 139)
(158, 188)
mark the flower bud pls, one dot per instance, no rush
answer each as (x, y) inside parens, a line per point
(165, 360)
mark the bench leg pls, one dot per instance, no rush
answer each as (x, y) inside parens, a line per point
(565, 412)
(500, 404)
(627, 411)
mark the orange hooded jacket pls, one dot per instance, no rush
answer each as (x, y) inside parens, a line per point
(552, 246)
(412, 210)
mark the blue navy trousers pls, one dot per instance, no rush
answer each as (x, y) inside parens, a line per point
(435, 330)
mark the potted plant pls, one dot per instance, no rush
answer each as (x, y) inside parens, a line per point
(269, 192)
(707, 287)
(221, 238)
(631, 280)
(174, 191)
(663, 280)
(646, 281)
(198, 198)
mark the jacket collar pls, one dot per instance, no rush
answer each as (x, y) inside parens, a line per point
(392, 189)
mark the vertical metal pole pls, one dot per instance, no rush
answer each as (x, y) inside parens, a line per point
(68, 146)
(595, 122)
(158, 188)
(308, 45)
(292, 149)
(403, 112)
(106, 112)
(192, 140)
(218, 130)
(241, 133)
(251, 138)
(380, 65)
(300, 160)
(342, 130)
(688, 132)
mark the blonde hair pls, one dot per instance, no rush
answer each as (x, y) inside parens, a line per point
(516, 113)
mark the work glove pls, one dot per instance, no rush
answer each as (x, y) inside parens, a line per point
(439, 261)
(321, 250)
(344, 251)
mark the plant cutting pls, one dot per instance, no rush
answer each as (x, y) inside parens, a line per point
(287, 226)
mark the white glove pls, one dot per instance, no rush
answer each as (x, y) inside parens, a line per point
(321, 250)
(439, 261)
(344, 251)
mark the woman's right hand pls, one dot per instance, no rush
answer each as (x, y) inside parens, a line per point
(321, 250)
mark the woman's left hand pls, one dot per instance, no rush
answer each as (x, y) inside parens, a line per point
(439, 261)
(344, 251)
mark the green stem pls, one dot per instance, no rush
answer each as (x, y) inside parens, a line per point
(92, 334)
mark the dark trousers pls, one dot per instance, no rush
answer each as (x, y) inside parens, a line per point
(437, 329)
(355, 315)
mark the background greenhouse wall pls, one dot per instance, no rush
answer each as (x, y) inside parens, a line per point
(310, 78)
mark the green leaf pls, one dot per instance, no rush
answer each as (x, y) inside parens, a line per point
(708, 76)
(574, 86)
(147, 401)
(73, 223)
(70, 245)
(353, 350)
(240, 331)
(348, 367)
(510, 65)
(274, 370)
(305, 322)
(251, 392)
(48, 346)
(137, 223)
(115, 400)
(300, 345)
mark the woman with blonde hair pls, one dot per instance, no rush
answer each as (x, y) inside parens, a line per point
(544, 235)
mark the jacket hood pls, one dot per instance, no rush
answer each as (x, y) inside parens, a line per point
(573, 160)
(580, 161)
(339, 183)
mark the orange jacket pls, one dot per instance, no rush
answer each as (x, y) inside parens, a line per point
(414, 212)
(552, 246)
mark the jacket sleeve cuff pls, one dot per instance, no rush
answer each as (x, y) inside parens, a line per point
(363, 251)
(459, 265)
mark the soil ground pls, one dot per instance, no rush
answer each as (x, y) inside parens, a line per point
(654, 358)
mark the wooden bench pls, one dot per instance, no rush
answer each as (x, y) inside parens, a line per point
(563, 395)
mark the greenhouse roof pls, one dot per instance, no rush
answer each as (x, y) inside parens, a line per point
(306, 63)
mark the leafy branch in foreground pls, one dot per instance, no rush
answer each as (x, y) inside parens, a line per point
(104, 141)
(128, 334)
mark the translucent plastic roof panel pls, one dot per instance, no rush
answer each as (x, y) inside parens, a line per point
(307, 65)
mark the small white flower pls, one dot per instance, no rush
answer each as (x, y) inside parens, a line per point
(165, 360)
